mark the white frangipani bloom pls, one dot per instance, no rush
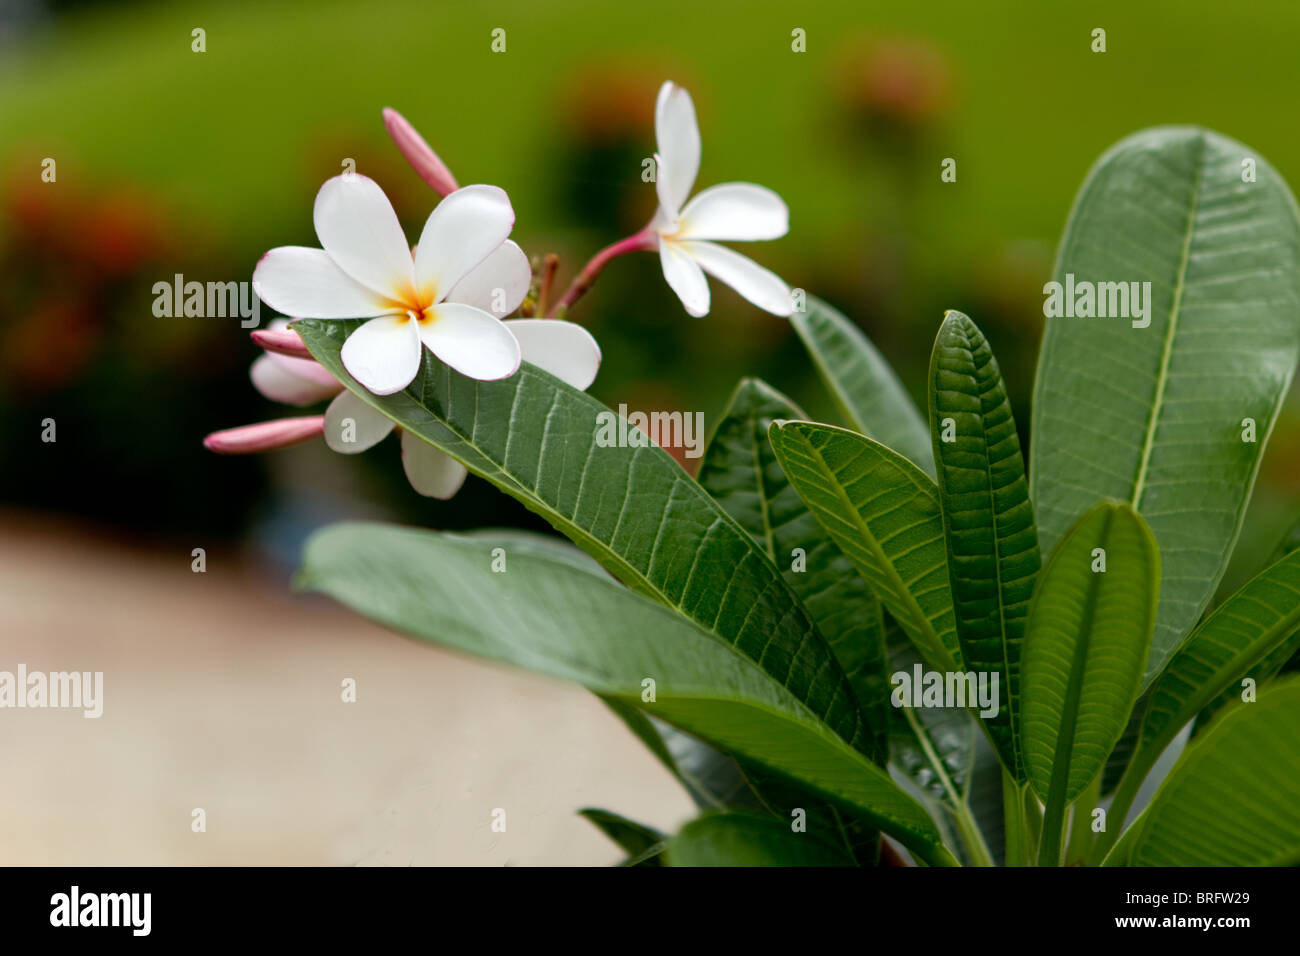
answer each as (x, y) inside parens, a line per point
(497, 286)
(728, 212)
(366, 270)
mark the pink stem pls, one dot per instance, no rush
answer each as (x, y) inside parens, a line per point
(283, 341)
(265, 436)
(645, 240)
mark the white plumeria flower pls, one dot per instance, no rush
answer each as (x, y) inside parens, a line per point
(366, 270)
(728, 212)
(497, 285)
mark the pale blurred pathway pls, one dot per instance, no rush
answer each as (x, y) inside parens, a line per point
(223, 692)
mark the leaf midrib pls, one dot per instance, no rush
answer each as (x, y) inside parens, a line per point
(1175, 312)
(1064, 750)
(883, 559)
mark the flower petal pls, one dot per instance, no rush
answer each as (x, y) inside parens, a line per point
(384, 354)
(473, 342)
(678, 138)
(264, 436)
(461, 232)
(308, 284)
(502, 278)
(684, 277)
(761, 287)
(277, 380)
(736, 211)
(431, 472)
(352, 426)
(358, 228)
(564, 349)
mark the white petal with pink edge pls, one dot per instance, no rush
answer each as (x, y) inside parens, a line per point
(760, 286)
(497, 284)
(358, 228)
(684, 277)
(461, 232)
(734, 211)
(431, 472)
(307, 284)
(275, 381)
(564, 349)
(677, 136)
(352, 426)
(473, 342)
(384, 354)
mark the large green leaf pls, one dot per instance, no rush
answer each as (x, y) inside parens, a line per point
(862, 383)
(549, 616)
(1242, 632)
(883, 512)
(742, 839)
(1232, 799)
(631, 508)
(987, 519)
(1154, 416)
(740, 470)
(1085, 645)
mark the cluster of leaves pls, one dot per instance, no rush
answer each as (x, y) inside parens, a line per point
(771, 599)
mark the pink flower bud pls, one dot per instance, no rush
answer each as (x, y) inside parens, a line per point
(418, 153)
(283, 341)
(265, 436)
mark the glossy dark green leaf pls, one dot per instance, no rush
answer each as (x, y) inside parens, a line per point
(1272, 663)
(1085, 646)
(741, 839)
(883, 513)
(1157, 416)
(636, 839)
(987, 519)
(1232, 798)
(869, 394)
(740, 470)
(1241, 633)
(551, 617)
(631, 508)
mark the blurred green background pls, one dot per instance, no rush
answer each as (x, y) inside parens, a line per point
(174, 161)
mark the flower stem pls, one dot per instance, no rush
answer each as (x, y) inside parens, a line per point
(549, 265)
(642, 241)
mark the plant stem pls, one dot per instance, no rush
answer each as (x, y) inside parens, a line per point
(969, 830)
(971, 835)
(1049, 848)
(1013, 817)
(1079, 843)
(643, 241)
(1125, 794)
(549, 265)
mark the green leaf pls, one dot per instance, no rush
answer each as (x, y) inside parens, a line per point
(551, 617)
(1242, 632)
(1272, 663)
(712, 779)
(1085, 645)
(987, 518)
(1155, 416)
(635, 838)
(862, 383)
(741, 839)
(934, 747)
(633, 509)
(1231, 799)
(740, 470)
(883, 512)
